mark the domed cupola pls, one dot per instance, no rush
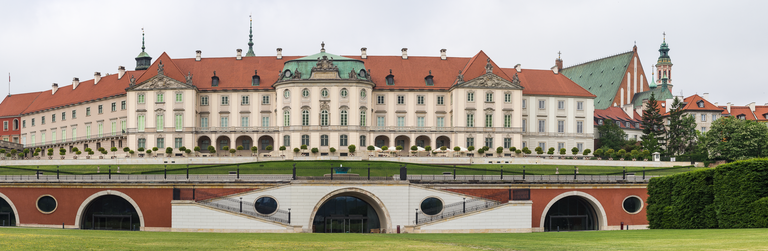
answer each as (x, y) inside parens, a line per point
(143, 61)
(324, 65)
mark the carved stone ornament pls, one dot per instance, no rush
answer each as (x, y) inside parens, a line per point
(488, 66)
(162, 82)
(516, 80)
(160, 68)
(189, 78)
(352, 74)
(490, 80)
(297, 74)
(324, 105)
(133, 80)
(460, 78)
(325, 64)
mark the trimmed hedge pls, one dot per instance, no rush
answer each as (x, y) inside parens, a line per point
(734, 195)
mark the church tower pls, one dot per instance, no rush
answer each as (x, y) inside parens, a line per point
(664, 64)
(143, 61)
(250, 42)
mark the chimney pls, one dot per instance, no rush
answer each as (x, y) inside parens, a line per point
(705, 96)
(518, 68)
(239, 54)
(405, 53)
(54, 88)
(668, 104)
(363, 53)
(715, 104)
(555, 69)
(198, 55)
(120, 72)
(96, 77)
(75, 83)
(751, 106)
(279, 53)
(442, 54)
(559, 64)
(728, 106)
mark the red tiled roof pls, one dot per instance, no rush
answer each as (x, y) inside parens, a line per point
(410, 73)
(739, 110)
(761, 111)
(546, 82)
(476, 67)
(233, 73)
(169, 69)
(15, 104)
(692, 104)
(108, 86)
(616, 114)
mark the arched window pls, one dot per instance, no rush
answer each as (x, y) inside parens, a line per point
(305, 117)
(362, 93)
(305, 93)
(362, 140)
(362, 118)
(16, 123)
(287, 94)
(343, 117)
(344, 92)
(255, 80)
(324, 118)
(343, 140)
(305, 140)
(324, 93)
(214, 79)
(286, 118)
(323, 140)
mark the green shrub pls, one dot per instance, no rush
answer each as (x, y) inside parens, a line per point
(738, 185)
(296, 150)
(759, 209)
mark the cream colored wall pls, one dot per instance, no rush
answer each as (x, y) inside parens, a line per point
(570, 115)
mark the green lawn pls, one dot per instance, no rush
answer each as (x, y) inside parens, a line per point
(56, 239)
(318, 168)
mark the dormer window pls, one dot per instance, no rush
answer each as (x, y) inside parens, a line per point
(600, 122)
(255, 80)
(627, 124)
(214, 79)
(663, 104)
(429, 79)
(765, 115)
(700, 104)
(361, 74)
(390, 78)
(741, 117)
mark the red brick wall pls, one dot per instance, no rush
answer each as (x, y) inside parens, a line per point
(10, 132)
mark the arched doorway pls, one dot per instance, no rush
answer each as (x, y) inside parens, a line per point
(349, 210)
(8, 215)
(442, 141)
(403, 141)
(221, 142)
(204, 142)
(571, 213)
(381, 141)
(245, 141)
(110, 212)
(265, 141)
(423, 141)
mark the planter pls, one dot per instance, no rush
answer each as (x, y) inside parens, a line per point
(74, 157)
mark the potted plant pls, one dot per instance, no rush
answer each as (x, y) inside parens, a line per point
(586, 152)
(499, 150)
(303, 147)
(197, 150)
(314, 150)
(551, 151)
(232, 152)
(254, 149)
(211, 149)
(351, 149)
(296, 151)
(333, 150)
(168, 151)
(562, 151)
(456, 150)
(428, 149)
(414, 149)
(371, 149)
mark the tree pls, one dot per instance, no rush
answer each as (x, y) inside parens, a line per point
(197, 149)
(315, 150)
(456, 150)
(125, 149)
(240, 147)
(296, 150)
(551, 151)
(562, 151)
(270, 148)
(575, 150)
(232, 151)
(333, 150)
(611, 135)
(428, 148)
(154, 149)
(653, 126)
(253, 150)
(351, 148)
(733, 139)
(399, 148)
(211, 149)
(526, 150)
(414, 149)
(499, 150)
(681, 136)
(113, 150)
(168, 150)
(538, 150)
(587, 151)
(303, 147)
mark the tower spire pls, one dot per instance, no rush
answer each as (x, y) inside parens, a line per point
(143, 60)
(250, 40)
(142, 39)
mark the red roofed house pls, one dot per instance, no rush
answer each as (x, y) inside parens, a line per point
(630, 124)
(10, 115)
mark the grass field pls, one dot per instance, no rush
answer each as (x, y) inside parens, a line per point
(318, 168)
(713, 239)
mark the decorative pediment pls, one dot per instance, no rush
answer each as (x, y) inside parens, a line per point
(325, 64)
(492, 81)
(162, 82)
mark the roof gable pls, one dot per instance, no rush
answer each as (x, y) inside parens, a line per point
(481, 64)
(163, 64)
(692, 103)
(14, 105)
(601, 77)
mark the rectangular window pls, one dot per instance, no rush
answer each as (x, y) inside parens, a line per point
(703, 129)
(561, 105)
(63, 116)
(179, 97)
(204, 122)
(53, 119)
(400, 99)
(33, 140)
(489, 120)
(178, 122)
(122, 105)
(160, 98)
(560, 145)
(265, 100)
(101, 109)
(525, 124)
(507, 120)
(580, 105)
(23, 124)
(362, 118)
(114, 128)
(160, 143)
(42, 138)
(380, 99)
(362, 140)
(74, 114)
(265, 121)
(714, 117)
(114, 107)
(287, 140)
(140, 98)
(440, 100)
(323, 140)
(525, 103)
(489, 142)
(224, 100)
(244, 121)
(542, 104)
(440, 121)
(286, 118)
(245, 100)
(380, 121)
(33, 122)
(224, 122)
(5, 125)
(580, 146)
(541, 125)
(470, 97)
(525, 144)
(579, 126)
(124, 125)
(507, 143)
(101, 130)
(204, 100)
(160, 123)
(343, 118)
(88, 131)
(560, 126)
(141, 123)
(400, 121)
(42, 120)
(543, 146)
(142, 143)
(420, 100)
(343, 140)
(489, 97)
(470, 120)
(177, 143)
(53, 137)
(420, 121)
(305, 118)
(305, 140)
(470, 142)
(703, 118)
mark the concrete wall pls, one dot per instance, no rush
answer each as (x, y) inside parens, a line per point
(514, 217)
(188, 216)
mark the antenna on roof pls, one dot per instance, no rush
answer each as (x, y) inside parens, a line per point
(9, 84)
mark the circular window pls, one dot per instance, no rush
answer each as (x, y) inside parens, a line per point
(344, 93)
(287, 73)
(632, 204)
(46, 204)
(265, 205)
(287, 94)
(324, 93)
(305, 92)
(431, 206)
(362, 93)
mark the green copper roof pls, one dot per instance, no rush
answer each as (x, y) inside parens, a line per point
(661, 94)
(664, 53)
(304, 65)
(601, 77)
(250, 42)
(323, 53)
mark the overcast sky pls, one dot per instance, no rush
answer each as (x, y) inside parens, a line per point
(716, 46)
